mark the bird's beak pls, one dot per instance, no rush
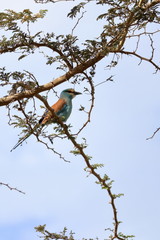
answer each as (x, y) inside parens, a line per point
(77, 93)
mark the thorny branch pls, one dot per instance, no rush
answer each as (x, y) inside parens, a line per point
(91, 168)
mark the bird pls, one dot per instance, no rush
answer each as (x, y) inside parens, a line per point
(62, 108)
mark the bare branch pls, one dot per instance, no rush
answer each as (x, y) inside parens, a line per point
(153, 134)
(152, 47)
(143, 33)
(92, 103)
(108, 79)
(141, 58)
(11, 188)
(78, 22)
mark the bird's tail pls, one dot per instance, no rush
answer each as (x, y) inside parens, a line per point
(21, 140)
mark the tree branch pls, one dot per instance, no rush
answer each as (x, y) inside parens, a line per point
(151, 4)
(153, 134)
(30, 93)
(92, 169)
(38, 45)
(115, 45)
(92, 102)
(141, 58)
(53, 1)
(11, 188)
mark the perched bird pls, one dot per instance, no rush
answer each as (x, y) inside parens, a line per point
(62, 109)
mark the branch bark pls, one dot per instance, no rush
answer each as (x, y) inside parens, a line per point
(115, 45)
(30, 93)
(92, 170)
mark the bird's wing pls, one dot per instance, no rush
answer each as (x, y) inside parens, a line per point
(57, 107)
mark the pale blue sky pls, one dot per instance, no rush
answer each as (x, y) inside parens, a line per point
(59, 194)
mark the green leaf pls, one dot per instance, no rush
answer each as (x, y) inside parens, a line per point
(40, 228)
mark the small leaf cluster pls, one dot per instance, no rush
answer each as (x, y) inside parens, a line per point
(17, 81)
(9, 18)
(144, 16)
(76, 9)
(69, 53)
(46, 235)
(126, 237)
(24, 123)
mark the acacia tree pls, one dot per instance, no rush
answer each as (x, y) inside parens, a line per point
(124, 21)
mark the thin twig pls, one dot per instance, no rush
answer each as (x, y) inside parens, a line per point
(153, 134)
(141, 58)
(92, 102)
(91, 167)
(11, 188)
(78, 22)
(108, 79)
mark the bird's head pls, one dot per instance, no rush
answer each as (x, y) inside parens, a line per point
(70, 92)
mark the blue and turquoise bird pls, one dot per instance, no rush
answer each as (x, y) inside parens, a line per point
(62, 109)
